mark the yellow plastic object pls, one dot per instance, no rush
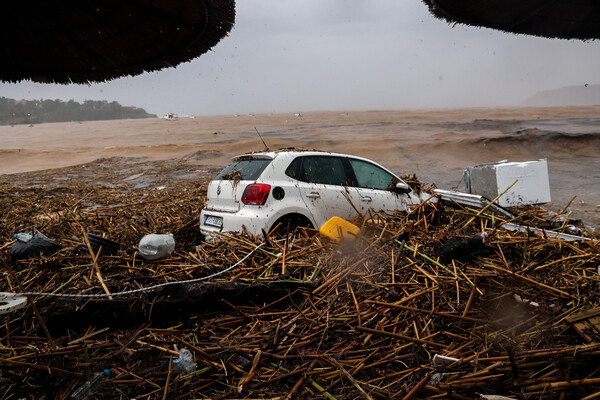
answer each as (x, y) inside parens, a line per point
(339, 229)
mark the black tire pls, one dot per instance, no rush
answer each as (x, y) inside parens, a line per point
(293, 221)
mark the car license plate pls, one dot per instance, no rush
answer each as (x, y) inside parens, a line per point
(211, 220)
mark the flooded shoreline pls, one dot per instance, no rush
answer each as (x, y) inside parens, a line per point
(436, 145)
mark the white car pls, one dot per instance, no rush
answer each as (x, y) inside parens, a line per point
(262, 191)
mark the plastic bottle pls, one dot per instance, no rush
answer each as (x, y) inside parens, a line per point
(185, 362)
(23, 237)
(84, 391)
(153, 247)
(435, 379)
(438, 360)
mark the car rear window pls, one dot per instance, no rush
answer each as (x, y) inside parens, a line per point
(244, 170)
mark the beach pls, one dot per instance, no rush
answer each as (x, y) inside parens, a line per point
(436, 145)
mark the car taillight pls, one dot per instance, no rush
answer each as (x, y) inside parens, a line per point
(256, 194)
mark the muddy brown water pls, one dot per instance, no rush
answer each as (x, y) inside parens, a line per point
(436, 145)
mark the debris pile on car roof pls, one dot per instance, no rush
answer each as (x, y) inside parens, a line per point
(496, 313)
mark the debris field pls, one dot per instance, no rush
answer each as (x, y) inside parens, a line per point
(419, 305)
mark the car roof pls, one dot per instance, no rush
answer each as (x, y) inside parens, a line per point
(290, 153)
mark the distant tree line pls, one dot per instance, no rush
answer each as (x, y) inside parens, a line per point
(38, 111)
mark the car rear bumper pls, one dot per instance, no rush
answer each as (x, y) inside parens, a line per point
(249, 217)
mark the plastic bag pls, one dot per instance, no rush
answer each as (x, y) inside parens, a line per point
(38, 244)
(185, 362)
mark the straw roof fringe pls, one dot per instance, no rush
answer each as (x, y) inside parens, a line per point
(563, 19)
(82, 41)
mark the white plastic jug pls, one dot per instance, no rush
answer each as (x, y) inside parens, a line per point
(153, 247)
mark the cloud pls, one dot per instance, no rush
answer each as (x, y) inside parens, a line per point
(287, 56)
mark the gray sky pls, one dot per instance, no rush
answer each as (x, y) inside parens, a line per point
(290, 55)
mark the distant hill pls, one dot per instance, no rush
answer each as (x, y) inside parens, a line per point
(14, 112)
(583, 95)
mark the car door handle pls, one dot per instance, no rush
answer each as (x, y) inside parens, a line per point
(368, 199)
(313, 195)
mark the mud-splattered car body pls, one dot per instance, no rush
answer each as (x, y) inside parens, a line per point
(261, 191)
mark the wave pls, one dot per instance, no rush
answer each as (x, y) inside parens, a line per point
(535, 138)
(564, 125)
(545, 138)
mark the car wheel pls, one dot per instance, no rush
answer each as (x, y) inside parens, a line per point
(288, 223)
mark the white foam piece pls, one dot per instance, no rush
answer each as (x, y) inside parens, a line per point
(10, 302)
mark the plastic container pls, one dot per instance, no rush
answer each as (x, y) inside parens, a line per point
(339, 229)
(185, 362)
(23, 237)
(492, 179)
(84, 391)
(153, 247)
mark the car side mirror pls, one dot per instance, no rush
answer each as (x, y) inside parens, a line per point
(402, 188)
